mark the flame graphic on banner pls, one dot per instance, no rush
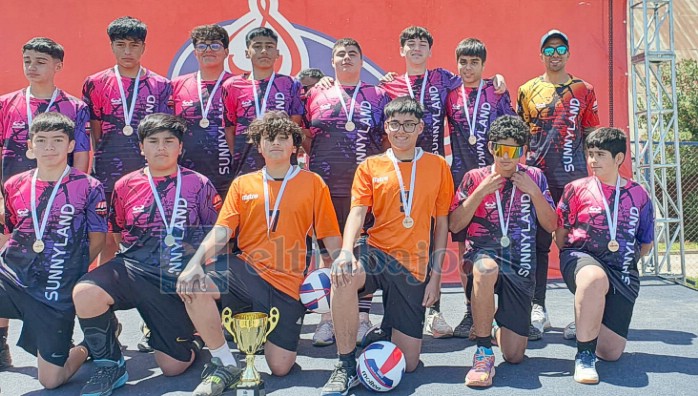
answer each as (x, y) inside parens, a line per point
(299, 47)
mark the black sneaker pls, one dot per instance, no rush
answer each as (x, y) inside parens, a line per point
(144, 344)
(5, 357)
(465, 327)
(216, 378)
(106, 376)
(374, 334)
(342, 379)
(533, 333)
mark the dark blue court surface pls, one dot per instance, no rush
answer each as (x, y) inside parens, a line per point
(661, 357)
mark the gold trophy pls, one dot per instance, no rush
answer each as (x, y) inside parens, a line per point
(250, 331)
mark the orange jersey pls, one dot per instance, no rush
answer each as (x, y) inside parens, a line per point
(305, 206)
(376, 185)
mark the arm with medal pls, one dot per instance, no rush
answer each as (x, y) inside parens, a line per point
(545, 213)
(461, 217)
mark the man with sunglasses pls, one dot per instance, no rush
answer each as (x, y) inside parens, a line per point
(409, 192)
(251, 95)
(560, 110)
(500, 207)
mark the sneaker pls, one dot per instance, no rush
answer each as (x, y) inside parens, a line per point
(324, 334)
(533, 333)
(374, 334)
(5, 357)
(342, 379)
(106, 376)
(144, 344)
(570, 332)
(585, 368)
(364, 327)
(465, 327)
(216, 378)
(539, 318)
(436, 325)
(482, 372)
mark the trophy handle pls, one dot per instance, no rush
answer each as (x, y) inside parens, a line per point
(272, 321)
(227, 320)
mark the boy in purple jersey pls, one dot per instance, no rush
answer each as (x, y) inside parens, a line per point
(560, 110)
(56, 216)
(159, 214)
(471, 109)
(345, 123)
(197, 98)
(500, 206)
(42, 58)
(249, 96)
(118, 98)
(605, 224)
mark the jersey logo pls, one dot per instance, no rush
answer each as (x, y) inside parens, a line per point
(247, 103)
(325, 106)
(249, 197)
(455, 106)
(138, 209)
(382, 179)
(490, 205)
(22, 212)
(594, 209)
(187, 103)
(542, 105)
(116, 101)
(19, 125)
(101, 208)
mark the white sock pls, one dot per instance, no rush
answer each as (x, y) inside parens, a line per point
(223, 353)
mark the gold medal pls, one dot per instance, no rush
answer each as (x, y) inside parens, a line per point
(128, 130)
(472, 140)
(613, 246)
(350, 126)
(169, 240)
(505, 241)
(38, 246)
(204, 123)
(30, 154)
(408, 222)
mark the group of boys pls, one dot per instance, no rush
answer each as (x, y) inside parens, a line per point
(382, 167)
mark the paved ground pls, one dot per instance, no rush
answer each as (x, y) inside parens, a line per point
(661, 357)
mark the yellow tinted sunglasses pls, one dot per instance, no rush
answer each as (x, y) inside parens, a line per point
(505, 150)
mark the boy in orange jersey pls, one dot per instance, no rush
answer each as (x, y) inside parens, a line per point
(409, 193)
(271, 212)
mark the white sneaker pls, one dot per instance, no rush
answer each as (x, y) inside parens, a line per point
(436, 325)
(570, 332)
(324, 334)
(539, 318)
(585, 368)
(364, 325)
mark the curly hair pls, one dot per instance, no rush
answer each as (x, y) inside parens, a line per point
(273, 123)
(509, 126)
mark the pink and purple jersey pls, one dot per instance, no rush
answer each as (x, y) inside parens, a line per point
(335, 152)
(484, 231)
(581, 212)
(117, 154)
(136, 217)
(78, 209)
(558, 115)
(240, 111)
(14, 127)
(491, 106)
(205, 149)
(439, 83)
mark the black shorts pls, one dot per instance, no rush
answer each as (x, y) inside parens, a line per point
(514, 293)
(243, 290)
(342, 207)
(163, 312)
(44, 329)
(402, 292)
(618, 309)
(459, 236)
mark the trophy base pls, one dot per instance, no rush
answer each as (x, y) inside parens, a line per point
(257, 389)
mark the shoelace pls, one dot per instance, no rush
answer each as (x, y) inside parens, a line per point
(587, 359)
(222, 373)
(481, 362)
(102, 373)
(339, 375)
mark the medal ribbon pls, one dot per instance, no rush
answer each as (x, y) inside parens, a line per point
(612, 222)
(504, 226)
(205, 110)
(406, 203)
(260, 109)
(290, 174)
(472, 123)
(340, 94)
(128, 109)
(156, 196)
(424, 86)
(39, 231)
(28, 94)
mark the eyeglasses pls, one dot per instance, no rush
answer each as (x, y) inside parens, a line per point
(202, 47)
(560, 49)
(407, 126)
(505, 150)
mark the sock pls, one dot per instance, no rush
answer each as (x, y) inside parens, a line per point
(223, 353)
(348, 359)
(485, 342)
(3, 335)
(100, 337)
(468, 308)
(365, 304)
(587, 346)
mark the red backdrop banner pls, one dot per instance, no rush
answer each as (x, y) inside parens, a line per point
(511, 29)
